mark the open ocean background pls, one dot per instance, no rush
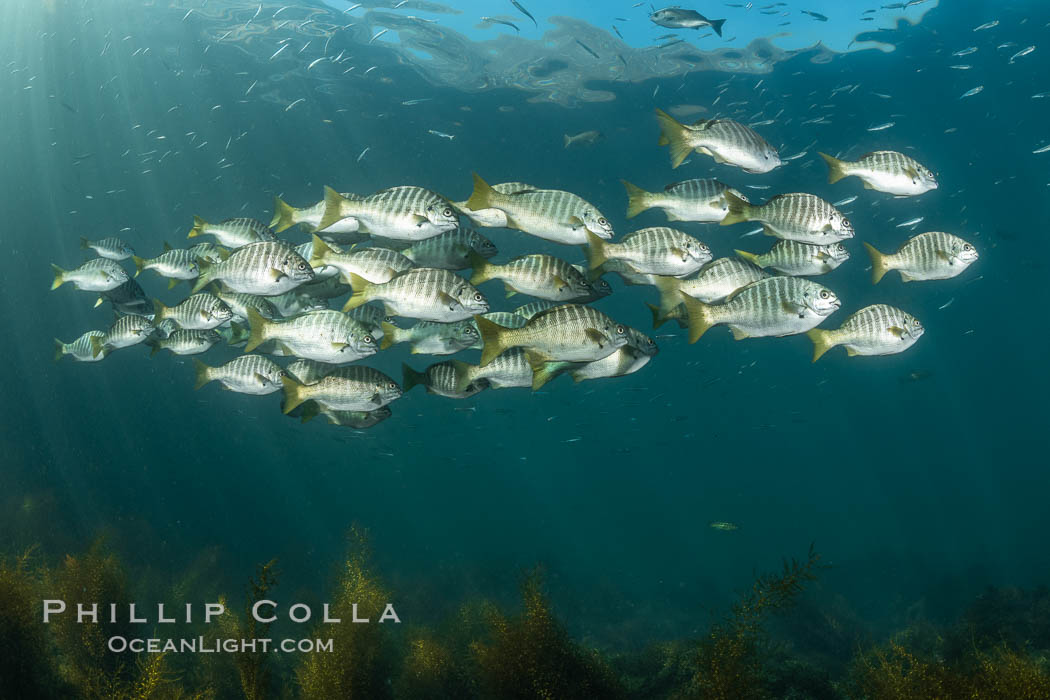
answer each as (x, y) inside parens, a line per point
(919, 477)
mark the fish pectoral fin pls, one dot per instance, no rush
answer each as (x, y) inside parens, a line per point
(511, 291)
(575, 222)
(448, 300)
(768, 230)
(795, 309)
(911, 173)
(172, 283)
(338, 347)
(897, 331)
(850, 352)
(263, 381)
(945, 256)
(377, 399)
(558, 282)
(597, 336)
(419, 219)
(276, 275)
(285, 350)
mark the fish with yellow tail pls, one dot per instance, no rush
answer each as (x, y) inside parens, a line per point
(715, 281)
(354, 388)
(797, 216)
(570, 332)
(404, 213)
(772, 307)
(878, 329)
(247, 374)
(538, 275)
(285, 216)
(799, 259)
(700, 200)
(444, 379)
(490, 217)
(426, 293)
(553, 215)
(267, 268)
(637, 353)
(323, 335)
(658, 250)
(232, 233)
(884, 171)
(934, 255)
(376, 265)
(725, 140)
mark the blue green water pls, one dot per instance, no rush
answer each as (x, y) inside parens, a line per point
(918, 476)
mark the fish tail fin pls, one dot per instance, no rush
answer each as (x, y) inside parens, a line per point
(879, 263)
(676, 135)
(596, 252)
(310, 410)
(836, 168)
(205, 276)
(60, 349)
(96, 345)
(84, 243)
(239, 333)
(716, 25)
(293, 394)
(670, 293)
(822, 342)
(750, 257)
(389, 335)
(658, 318)
(493, 339)
(140, 264)
(203, 374)
(257, 330)
(739, 210)
(361, 287)
(333, 208)
(637, 199)
(482, 269)
(198, 227)
(481, 197)
(59, 276)
(160, 311)
(568, 140)
(699, 317)
(154, 348)
(411, 378)
(543, 372)
(283, 215)
(318, 252)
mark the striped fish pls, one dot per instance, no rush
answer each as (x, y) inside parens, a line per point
(933, 255)
(185, 342)
(451, 250)
(285, 216)
(268, 268)
(724, 140)
(126, 331)
(658, 250)
(174, 263)
(800, 217)
(97, 275)
(538, 275)
(296, 302)
(493, 218)
(247, 374)
(325, 336)
(354, 388)
(507, 319)
(377, 265)
(715, 281)
(878, 329)
(128, 298)
(407, 212)
(884, 171)
(690, 200)
(775, 306)
(357, 420)
(200, 312)
(799, 259)
(442, 379)
(373, 317)
(430, 338)
(111, 248)
(82, 349)
(637, 353)
(552, 215)
(425, 293)
(570, 332)
(232, 233)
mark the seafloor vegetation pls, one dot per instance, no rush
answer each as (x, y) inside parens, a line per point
(773, 642)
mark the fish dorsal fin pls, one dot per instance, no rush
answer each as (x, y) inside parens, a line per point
(670, 187)
(703, 124)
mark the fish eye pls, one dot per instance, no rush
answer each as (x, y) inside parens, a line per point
(448, 212)
(391, 385)
(915, 322)
(824, 294)
(845, 222)
(650, 341)
(967, 247)
(369, 339)
(602, 221)
(621, 330)
(302, 266)
(477, 297)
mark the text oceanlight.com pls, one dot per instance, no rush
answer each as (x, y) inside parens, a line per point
(201, 645)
